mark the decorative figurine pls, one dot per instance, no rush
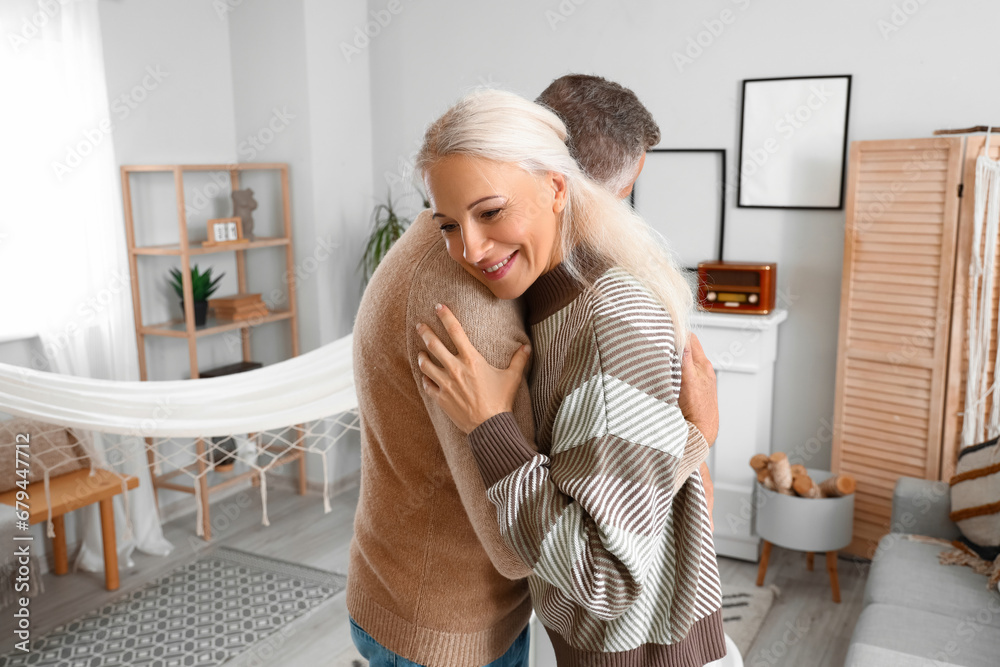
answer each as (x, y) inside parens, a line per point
(243, 206)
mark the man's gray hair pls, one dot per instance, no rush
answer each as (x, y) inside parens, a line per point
(609, 128)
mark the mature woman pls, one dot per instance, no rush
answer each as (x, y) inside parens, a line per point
(610, 512)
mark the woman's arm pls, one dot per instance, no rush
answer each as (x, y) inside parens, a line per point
(589, 518)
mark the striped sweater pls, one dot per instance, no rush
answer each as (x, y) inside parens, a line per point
(610, 511)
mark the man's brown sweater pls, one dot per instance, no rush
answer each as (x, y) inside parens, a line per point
(430, 577)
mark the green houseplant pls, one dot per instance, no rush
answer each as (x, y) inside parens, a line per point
(387, 227)
(202, 287)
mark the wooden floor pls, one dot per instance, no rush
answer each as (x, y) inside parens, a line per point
(804, 627)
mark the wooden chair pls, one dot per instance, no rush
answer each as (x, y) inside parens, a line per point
(71, 491)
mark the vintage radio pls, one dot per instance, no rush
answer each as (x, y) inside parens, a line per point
(737, 287)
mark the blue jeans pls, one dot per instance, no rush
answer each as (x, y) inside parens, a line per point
(379, 656)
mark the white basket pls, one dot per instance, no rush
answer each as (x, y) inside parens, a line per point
(805, 524)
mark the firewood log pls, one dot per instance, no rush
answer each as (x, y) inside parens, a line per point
(838, 485)
(806, 487)
(764, 477)
(781, 472)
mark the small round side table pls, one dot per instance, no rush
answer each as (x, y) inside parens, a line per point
(805, 524)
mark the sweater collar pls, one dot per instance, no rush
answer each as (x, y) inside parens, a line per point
(556, 289)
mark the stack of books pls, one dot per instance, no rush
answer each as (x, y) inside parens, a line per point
(239, 307)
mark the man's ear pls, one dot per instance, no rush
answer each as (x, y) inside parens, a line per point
(559, 191)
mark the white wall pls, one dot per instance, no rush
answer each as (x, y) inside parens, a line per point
(184, 116)
(189, 116)
(221, 71)
(284, 65)
(927, 74)
(244, 81)
(341, 113)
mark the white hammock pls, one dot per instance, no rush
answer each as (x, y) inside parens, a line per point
(305, 403)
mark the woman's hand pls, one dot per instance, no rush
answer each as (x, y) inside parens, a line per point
(466, 386)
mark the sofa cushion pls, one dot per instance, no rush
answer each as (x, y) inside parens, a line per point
(975, 498)
(921, 507)
(893, 636)
(907, 573)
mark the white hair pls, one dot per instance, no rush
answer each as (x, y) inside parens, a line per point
(503, 127)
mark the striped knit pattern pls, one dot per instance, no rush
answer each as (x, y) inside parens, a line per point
(610, 511)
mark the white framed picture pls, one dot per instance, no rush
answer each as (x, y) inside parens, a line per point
(224, 230)
(681, 194)
(793, 142)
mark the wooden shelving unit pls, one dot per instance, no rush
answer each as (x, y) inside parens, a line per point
(185, 328)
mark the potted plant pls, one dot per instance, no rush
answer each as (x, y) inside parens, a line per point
(387, 227)
(202, 287)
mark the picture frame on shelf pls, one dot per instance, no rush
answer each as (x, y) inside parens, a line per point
(681, 193)
(223, 231)
(793, 142)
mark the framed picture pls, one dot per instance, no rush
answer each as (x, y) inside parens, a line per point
(793, 142)
(224, 230)
(681, 193)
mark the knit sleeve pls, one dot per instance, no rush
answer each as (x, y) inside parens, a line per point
(496, 329)
(588, 516)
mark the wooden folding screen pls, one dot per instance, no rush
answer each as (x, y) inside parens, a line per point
(895, 320)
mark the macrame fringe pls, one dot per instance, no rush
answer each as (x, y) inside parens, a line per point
(987, 214)
(263, 499)
(199, 530)
(962, 555)
(128, 532)
(959, 554)
(326, 484)
(50, 529)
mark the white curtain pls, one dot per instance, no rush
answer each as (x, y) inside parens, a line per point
(62, 246)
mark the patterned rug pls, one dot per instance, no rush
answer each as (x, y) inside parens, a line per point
(743, 613)
(204, 613)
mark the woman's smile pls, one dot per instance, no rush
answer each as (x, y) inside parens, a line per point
(501, 268)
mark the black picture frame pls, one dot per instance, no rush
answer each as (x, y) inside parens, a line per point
(741, 158)
(721, 186)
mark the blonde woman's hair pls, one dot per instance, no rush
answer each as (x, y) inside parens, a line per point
(503, 127)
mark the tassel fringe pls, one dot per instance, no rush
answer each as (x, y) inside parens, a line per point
(962, 555)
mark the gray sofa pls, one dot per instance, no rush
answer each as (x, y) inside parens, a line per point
(918, 612)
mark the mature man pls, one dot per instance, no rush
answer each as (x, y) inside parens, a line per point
(431, 581)
(608, 128)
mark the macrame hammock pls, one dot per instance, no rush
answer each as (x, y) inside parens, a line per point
(977, 429)
(306, 403)
(986, 222)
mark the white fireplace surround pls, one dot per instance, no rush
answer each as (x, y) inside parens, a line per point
(742, 349)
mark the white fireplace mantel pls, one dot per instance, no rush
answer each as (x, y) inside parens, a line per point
(742, 349)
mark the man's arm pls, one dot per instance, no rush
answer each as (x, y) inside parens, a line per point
(496, 329)
(699, 401)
